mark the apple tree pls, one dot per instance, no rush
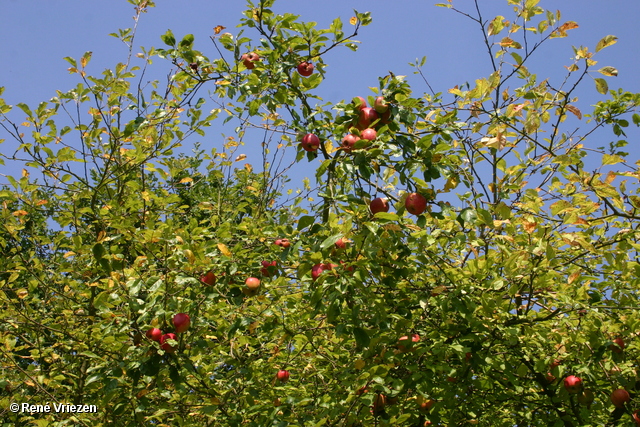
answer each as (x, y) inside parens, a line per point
(465, 257)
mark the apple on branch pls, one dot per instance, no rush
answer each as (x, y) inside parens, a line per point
(154, 334)
(252, 286)
(164, 342)
(310, 142)
(181, 322)
(379, 205)
(249, 59)
(305, 68)
(283, 375)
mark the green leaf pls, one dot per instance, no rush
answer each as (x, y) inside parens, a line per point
(305, 221)
(98, 251)
(606, 41)
(362, 338)
(601, 85)
(168, 38)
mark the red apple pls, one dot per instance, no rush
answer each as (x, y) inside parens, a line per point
(379, 205)
(415, 203)
(550, 377)
(467, 357)
(555, 363)
(154, 334)
(425, 405)
(359, 102)
(209, 278)
(265, 267)
(362, 390)
(310, 142)
(380, 105)
(385, 118)
(316, 271)
(283, 243)
(248, 60)
(366, 117)
(181, 321)
(619, 397)
(253, 284)
(282, 376)
(617, 346)
(636, 417)
(341, 243)
(348, 268)
(573, 384)
(369, 134)
(305, 69)
(586, 397)
(403, 342)
(349, 141)
(165, 345)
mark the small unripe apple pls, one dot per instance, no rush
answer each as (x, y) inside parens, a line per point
(349, 141)
(165, 345)
(617, 346)
(366, 117)
(415, 203)
(359, 102)
(181, 322)
(265, 270)
(154, 334)
(208, 278)
(282, 375)
(586, 397)
(369, 134)
(619, 397)
(380, 105)
(573, 384)
(310, 142)
(379, 205)
(305, 68)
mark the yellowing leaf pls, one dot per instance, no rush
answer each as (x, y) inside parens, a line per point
(20, 213)
(248, 167)
(241, 157)
(601, 86)
(185, 180)
(218, 28)
(223, 248)
(360, 364)
(573, 277)
(353, 20)
(608, 71)
(529, 226)
(606, 41)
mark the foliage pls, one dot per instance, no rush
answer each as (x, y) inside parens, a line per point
(523, 256)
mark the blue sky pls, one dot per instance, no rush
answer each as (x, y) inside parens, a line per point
(38, 34)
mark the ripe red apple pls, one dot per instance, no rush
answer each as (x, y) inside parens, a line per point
(181, 321)
(619, 397)
(573, 384)
(550, 377)
(415, 203)
(369, 134)
(310, 142)
(380, 105)
(305, 68)
(366, 117)
(165, 345)
(555, 363)
(283, 243)
(359, 102)
(209, 278)
(636, 417)
(349, 141)
(253, 284)
(154, 334)
(282, 375)
(265, 267)
(403, 342)
(467, 357)
(379, 205)
(617, 346)
(341, 243)
(586, 397)
(248, 60)
(348, 268)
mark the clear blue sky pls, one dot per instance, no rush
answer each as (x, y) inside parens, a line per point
(38, 34)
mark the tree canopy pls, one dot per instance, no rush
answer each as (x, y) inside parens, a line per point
(466, 256)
